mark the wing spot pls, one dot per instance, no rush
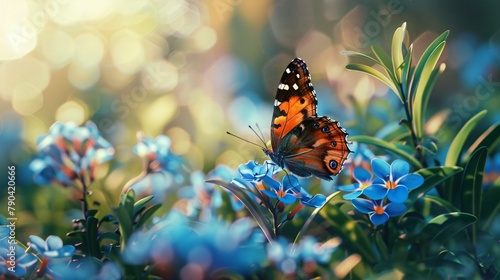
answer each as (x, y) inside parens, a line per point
(334, 143)
(286, 87)
(333, 164)
(277, 102)
(287, 70)
(298, 76)
(325, 129)
(316, 125)
(295, 86)
(302, 100)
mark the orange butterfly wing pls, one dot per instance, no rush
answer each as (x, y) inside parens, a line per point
(302, 142)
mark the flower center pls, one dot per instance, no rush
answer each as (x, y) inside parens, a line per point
(378, 209)
(363, 185)
(390, 185)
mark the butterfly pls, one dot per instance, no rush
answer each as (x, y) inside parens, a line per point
(302, 142)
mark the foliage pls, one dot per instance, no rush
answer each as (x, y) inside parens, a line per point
(421, 216)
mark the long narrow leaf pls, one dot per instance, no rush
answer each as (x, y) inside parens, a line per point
(472, 185)
(397, 51)
(488, 139)
(250, 204)
(390, 147)
(423, 86)
(458, 143)
(374, 73)
(433, 176)
(423, 60)
(406, 75)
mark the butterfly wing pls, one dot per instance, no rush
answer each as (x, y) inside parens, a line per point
(295, 101)
(317, 146)
(302, 142)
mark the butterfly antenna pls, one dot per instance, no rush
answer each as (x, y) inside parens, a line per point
(260, 136)
(241, 138)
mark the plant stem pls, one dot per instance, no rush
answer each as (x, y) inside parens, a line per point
(85, 207)
(420, 156)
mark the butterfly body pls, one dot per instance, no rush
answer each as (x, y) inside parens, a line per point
(302, 142)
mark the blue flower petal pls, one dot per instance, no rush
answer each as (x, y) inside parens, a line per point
(348, 188)
(269, 193)
(375, 192)
(270, 183)
(379, 219)
(381, 168)
(54, 243)
(378, 181)
(291, 182)
(398, 195)
(395, 209)
(353, 195)
(411, 181)
(362, 175)
(363, 205)
(399, 168)
(288, 198)
(37, 243)
(315, 201)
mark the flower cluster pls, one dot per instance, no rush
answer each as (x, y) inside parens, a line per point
(161, 168)
(177, 249)
(262, 179)
(69, 154)
(14, 263)
(386, 192)
(309, 253)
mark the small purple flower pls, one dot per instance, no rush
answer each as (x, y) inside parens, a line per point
(393, 181)
(378, 212)
(69, 152)
(363, 180)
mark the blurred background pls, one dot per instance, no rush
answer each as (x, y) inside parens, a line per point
(195, 69)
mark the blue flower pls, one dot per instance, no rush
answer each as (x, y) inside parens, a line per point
(171, 243)
(157, 154)
(52, 247)
(203, 197)
(161, 168)
(378, 212)
(85, 268)
(282, 192)
(23, 261)
(252, 171)
(491, 169)
(363, 180)
(393, 181)
(226, 173)
(68, 153)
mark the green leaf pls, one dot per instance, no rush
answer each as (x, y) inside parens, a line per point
(390, 147)
(472, 186)
(363, 56)
(433, 176)
(140, 203)
(406, 75)
(488, 139)
(490, 207)
(124, 223)
(349, 231)
(251, 205)
(127, 201)
(91, 237)
(311, 217)
(397, 50)
(374, 73)
(383, 59)
(457, 144)
(423, 61)
(428, 77)
(146, 215)
(443, 227)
